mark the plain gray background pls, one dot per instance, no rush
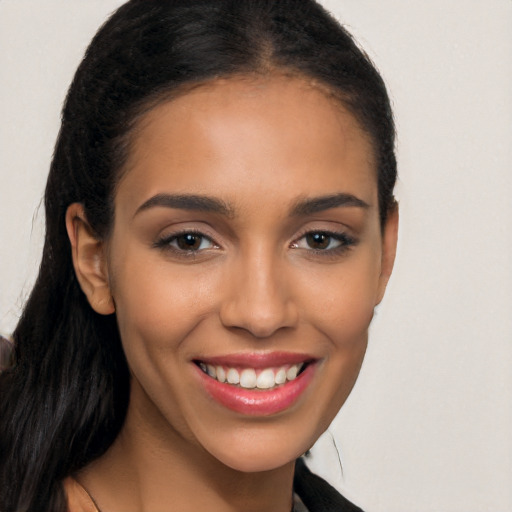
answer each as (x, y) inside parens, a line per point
(428, 426)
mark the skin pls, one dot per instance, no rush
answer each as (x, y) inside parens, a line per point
(256, 285)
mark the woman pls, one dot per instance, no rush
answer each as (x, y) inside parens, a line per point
(220, 226)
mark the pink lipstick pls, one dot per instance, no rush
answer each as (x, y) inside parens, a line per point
(256, 384)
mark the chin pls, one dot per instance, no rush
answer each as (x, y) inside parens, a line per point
(256, 451)
(259, 462)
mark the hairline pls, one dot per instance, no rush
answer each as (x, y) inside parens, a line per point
(141, 111)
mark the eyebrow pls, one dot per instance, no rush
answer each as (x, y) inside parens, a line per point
(209, 204)
(193, 202)
(312, 205)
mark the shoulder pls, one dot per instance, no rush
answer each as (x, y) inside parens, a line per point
(316, 494)
(77, 497)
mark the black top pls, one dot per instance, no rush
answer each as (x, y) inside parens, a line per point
(317, 494)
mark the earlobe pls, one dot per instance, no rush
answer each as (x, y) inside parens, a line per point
(389, 243)
(89, 260)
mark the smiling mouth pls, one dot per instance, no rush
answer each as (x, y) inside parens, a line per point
(253, 378)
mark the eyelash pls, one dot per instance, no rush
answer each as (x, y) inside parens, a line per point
(346, 242)
(165, 242)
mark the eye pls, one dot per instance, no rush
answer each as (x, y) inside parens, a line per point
(324, 241)
(189, 241)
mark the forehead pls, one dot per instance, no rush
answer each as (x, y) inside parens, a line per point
(279, 137)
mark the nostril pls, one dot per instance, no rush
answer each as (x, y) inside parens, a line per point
(260, 320)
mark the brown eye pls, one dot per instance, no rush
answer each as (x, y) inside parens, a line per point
(186, 242)
(189, 241)
(325, 242)
(318, 240)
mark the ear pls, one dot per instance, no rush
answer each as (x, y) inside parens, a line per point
(389, 242)
(89, 260)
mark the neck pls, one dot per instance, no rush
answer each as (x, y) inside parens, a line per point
(145, 471)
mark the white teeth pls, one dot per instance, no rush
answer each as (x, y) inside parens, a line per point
(280, 376)
(232, 376)
(291, 374)
(221, 374)
(248, 378)
(266, 379)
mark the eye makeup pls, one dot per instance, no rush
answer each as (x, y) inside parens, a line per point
(185, 243)
(321, 243)
(325, 243)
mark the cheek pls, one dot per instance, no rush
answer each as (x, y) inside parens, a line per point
(341, 300)
(157, 304)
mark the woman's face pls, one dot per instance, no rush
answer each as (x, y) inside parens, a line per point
(247, 245)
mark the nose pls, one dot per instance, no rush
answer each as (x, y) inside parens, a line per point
(259, 297)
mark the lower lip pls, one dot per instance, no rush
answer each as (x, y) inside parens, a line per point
(258, 402)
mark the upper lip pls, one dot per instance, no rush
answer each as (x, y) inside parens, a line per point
(257, 359)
